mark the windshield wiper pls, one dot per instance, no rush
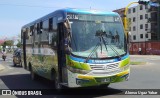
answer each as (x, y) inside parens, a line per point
(94, 49)
(99, 34)
(112, 48)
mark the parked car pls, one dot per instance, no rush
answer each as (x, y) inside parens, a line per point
(17, 57)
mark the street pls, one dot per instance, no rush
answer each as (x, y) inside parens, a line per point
(141, 77)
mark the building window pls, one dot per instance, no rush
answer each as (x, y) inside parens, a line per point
(141, 17)
(146, 26)
(134, 37)
(129, 28)
(129, 11)
(129, 19)
(141, 35)
(141, 26)
(134, 19)
(146, 6)
(141, 7)
(146, 16)
(146, 35)
(134, 28)
(134, 10)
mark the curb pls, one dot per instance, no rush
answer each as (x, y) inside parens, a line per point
(1, 67)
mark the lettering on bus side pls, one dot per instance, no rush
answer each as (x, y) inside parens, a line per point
(103, 61)
(72, 16)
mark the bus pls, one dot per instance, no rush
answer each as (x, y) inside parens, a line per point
(76, 48)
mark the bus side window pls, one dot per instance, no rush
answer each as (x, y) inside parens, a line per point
(55, 24)
(50, 24)
(31, 30)
(41, 27)
(38, 28)
(45, 25)
(27, 33)
(54, 37)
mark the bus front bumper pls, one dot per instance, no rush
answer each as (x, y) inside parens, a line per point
(86, 80)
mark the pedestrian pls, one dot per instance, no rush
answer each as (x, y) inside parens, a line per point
(139, 51)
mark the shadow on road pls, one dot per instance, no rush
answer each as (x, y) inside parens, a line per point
(24, 82)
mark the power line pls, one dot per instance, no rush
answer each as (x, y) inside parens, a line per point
(20, 5)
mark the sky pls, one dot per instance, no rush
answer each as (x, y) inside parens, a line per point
(16, 13)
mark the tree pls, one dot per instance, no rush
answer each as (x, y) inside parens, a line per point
(4, 44)
(19, 43)
(8, 43)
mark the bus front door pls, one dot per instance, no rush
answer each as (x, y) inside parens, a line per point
(62, 71)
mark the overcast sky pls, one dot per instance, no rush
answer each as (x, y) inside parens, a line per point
(15, 13)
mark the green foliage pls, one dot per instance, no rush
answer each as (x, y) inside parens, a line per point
(8, 43)
(18, 44)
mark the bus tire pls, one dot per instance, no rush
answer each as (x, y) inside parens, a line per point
(14, 64)
(55, 80)
(104, 86)
(33, 75)
(20, 64)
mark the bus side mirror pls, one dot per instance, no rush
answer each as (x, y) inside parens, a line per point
(68, 50)
(67, 24)
(67, 37)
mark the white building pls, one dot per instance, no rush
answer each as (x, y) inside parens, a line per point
(139, 27)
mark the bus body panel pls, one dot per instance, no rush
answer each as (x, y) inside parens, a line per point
(100, 77)
(42, 55)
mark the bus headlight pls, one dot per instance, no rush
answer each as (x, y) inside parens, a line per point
(125, 67)
(76, 70)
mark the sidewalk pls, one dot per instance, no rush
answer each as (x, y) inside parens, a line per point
(1, 67)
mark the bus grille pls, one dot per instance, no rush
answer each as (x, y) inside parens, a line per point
(104, 67)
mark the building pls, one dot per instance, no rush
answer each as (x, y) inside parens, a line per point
(138, 17)
(144, 27)
(120, 12)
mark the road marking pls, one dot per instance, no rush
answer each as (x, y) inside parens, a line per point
(13, 73)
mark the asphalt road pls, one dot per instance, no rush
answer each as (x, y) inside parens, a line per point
(142, 77)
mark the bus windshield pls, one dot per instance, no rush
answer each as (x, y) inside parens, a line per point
(86, 40)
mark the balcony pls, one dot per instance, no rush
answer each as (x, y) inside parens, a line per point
(152, 20)
(153, 9)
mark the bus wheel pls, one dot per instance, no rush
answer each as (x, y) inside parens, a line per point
(55, 81)
(33, 75)
(57, 85)
(104, 86)
(14, 64)
(20, 64)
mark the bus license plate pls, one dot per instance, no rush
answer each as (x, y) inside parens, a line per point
(106, 80)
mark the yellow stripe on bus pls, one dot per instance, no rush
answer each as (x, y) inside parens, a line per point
(85, 77)
(123, 73)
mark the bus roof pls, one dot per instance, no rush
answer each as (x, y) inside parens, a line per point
(87, 11)
(74, 10)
